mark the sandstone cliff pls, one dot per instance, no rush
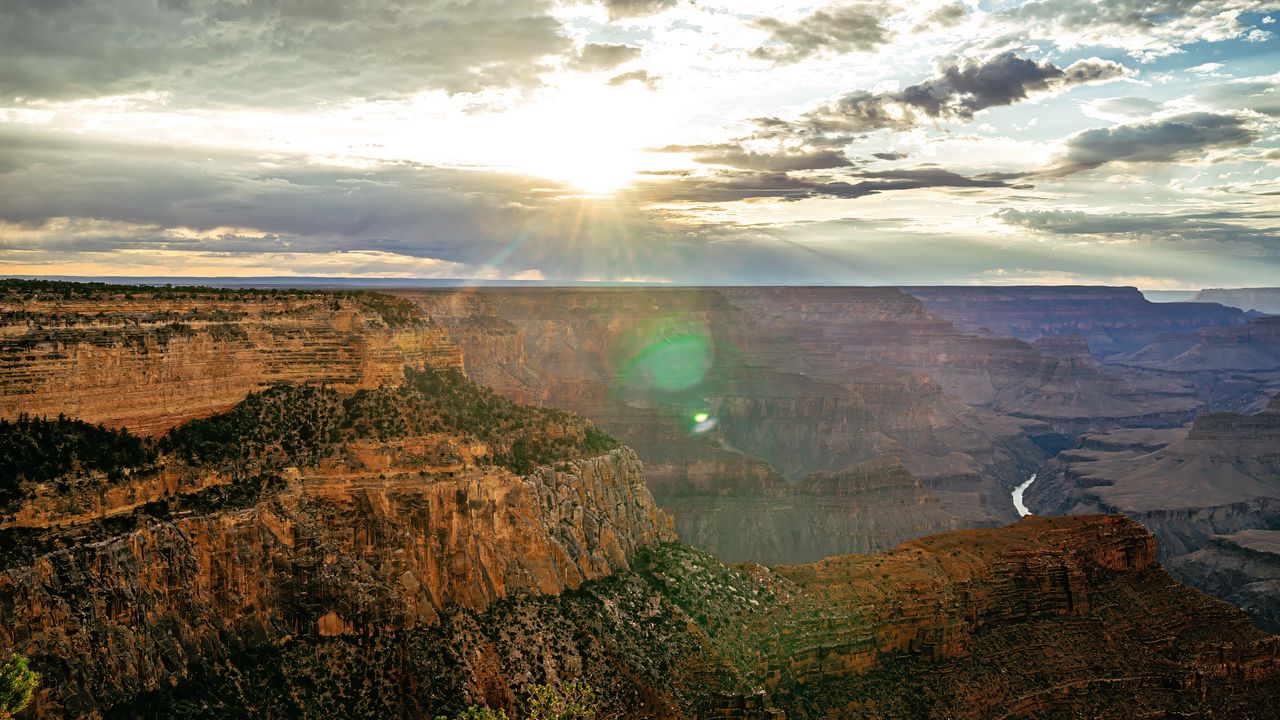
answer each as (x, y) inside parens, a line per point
(149, 358)
(1222, 476)
(324, 515)
(1052, 617)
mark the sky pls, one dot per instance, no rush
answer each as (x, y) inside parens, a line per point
(667, 141)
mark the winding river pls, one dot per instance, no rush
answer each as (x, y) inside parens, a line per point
(1017, 496)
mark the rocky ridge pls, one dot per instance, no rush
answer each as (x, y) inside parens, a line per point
(1052, 617)
(149, 358)
(365, 534)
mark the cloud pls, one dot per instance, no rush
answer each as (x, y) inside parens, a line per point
(604, 56)
(736, 185)
(1209, 228)
(946, 16)
(958, 91)
(835, 29)
(1145, 28)
(1181, 137)
(619, 9)
(641, 76)
(783, 160)
(272, 53)
(1121, 109)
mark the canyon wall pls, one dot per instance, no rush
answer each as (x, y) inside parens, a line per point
(150, 358)
(1111, 319)
(727, 404)
(334, 553)
(1266, 300)
(1052, 617)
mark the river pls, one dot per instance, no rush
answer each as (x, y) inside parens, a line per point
(1017, 496)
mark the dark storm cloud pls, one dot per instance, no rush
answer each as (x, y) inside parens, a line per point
(1210, 227)
(1175, 138)
(838, 29)
(730, 186)
(604, 56)
(889, 155)
(734, 155)
(271, 52)
(957, 92)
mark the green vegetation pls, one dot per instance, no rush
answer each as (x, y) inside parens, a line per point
(394, 311)
(574, 700)
(17, 685)
(303, 424)
(40, 450)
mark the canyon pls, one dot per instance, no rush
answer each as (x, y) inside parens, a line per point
(359, 504)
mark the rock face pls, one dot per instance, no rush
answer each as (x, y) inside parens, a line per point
(1254, 347)
(1112, 319)
(1266, 300)
(1223, 476)
(1056, 385)
(864, 508)
(147, 359)
(777, 402)
(1243, 568)
(344, 549)
(1052, 617)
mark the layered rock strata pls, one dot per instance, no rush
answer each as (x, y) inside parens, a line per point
(150, 358)
(1052, 617)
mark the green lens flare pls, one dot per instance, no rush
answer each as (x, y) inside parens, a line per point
(673, 363)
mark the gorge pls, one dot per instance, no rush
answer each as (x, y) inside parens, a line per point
(375, 503)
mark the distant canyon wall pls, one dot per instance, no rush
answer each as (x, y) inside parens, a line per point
(147, 360)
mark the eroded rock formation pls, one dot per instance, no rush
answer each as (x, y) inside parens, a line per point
(149, 358)
(1052, 617)
(1111, 319)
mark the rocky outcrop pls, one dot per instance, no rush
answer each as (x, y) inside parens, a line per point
(333, 554)
(1112, 319)
(1242, 568)
(1254, 347)
(1223, 476)
(864, 508)
(726, 402)
(150, 358)
(1063, 390)
(1266, 300)
(1052, 617)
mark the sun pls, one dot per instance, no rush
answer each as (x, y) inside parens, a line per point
(590, 138)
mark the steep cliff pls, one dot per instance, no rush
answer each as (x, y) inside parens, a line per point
(149, 358)
(721, 400)
(1111, 319)
(324, 515)
(1243, 568)
(1265, 300)
(1221, 477)
(864, 508)
(1052, 617)
(1067, 391)
(1254, 347)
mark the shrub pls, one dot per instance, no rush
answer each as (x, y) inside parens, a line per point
(17, 685)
